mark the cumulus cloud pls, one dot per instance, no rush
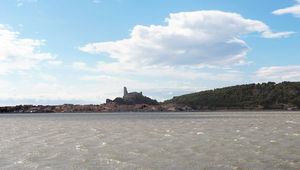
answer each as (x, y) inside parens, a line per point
(192, 49)
(200, 38)
(279, 73)
(19, 54)
(295, 10)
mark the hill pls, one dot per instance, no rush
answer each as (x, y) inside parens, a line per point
(132, 98)
(285, 95)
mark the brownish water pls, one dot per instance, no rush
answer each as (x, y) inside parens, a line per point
(214, 140)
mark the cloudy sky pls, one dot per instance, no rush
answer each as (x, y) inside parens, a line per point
(66, 51)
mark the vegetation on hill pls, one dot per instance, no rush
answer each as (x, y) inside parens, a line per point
(270, 95)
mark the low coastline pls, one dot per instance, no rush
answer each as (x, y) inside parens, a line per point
(112, 107)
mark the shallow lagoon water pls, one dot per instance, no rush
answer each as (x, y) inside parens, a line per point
(212, 140)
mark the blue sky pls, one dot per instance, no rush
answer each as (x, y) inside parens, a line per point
(56, 52)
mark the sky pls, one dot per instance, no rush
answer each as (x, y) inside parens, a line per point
(83, 52)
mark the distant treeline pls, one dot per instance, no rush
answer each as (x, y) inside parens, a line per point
(285, 95)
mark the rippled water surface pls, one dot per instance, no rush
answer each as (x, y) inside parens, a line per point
(212, 140)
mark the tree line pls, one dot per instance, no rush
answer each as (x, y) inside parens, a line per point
(265, 95)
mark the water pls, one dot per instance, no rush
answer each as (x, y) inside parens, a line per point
(212, 140)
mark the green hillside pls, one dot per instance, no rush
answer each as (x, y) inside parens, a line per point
(265, 96)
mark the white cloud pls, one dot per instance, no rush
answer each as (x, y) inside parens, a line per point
(100, 78)
(32, 92)
(193, 49)
(80, 66)
(47, 77)
(55, 62)
(46, 87)
(178, 53)
(19, 54)
(119, 71)
(295, 10)
(279, 73)
(201, 38)
(268, 34)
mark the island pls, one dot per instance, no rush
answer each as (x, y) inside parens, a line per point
(261, 96)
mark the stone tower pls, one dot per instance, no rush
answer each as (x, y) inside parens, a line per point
(125, 91)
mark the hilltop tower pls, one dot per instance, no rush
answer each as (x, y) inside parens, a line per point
(132, 98)
(125, 91)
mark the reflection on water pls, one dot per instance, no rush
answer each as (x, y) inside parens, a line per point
(217, 140)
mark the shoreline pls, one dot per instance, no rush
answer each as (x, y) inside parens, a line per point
(196, 111)
(140, 108)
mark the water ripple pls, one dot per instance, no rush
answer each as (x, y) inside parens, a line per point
(151, 141)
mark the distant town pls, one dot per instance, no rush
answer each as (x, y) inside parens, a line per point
(130, 102)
